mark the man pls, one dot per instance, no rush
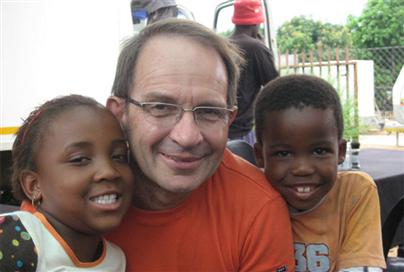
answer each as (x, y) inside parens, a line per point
(156, 9)
(258, 70)
(197, 207)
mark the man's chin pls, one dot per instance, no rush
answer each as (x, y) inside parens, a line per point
(182, 185)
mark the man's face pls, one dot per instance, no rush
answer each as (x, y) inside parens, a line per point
(176, 158)
(300, 152)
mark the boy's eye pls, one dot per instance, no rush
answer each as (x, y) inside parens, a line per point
(282, 153)
(320, 151)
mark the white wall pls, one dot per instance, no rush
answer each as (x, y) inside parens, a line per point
(57, 47)
(365, 79)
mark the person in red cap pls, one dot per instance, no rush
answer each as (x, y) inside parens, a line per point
(258, 70)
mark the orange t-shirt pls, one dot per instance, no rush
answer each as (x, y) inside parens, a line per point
(344, 230)
(235, 221)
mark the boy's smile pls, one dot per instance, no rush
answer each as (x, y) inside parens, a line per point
(300, 151)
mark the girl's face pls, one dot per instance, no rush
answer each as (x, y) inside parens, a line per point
(83, 172)
(300, 152)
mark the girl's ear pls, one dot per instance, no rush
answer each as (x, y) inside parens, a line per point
(341, 150)
(258, 155)
(30, 185)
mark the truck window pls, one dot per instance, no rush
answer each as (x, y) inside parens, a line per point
(224, 26)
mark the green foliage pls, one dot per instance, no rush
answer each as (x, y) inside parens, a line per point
(226, 33)
(303, 33)
(380, 25)
(351, 130)
(349, 113)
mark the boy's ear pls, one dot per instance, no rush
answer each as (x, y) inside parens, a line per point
(259, 157)
(117, 106)
(341, 151)
(30, 185)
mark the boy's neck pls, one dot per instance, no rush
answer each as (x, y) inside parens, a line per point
(293, 210)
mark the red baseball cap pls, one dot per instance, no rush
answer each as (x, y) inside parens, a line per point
(247, 12)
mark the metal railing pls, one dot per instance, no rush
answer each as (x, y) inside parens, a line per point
(334, 65)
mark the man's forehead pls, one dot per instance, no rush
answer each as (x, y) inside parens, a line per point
(160, 43)
(173, 51)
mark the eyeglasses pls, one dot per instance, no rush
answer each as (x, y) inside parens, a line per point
(166, 114)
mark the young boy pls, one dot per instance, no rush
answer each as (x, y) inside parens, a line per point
(335, 216)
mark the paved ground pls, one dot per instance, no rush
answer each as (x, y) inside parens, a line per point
(382, 140)
(387, 141)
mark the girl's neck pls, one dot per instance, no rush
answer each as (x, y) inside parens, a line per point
(86, 247)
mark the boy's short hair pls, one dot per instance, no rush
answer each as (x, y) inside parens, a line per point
(296, 91)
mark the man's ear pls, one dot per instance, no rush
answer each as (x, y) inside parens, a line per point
(30, 185)
(341, 151)
(232, 117)
(259, 157)
(117, 106)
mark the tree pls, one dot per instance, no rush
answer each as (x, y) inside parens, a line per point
(302, 33)
(380, 25)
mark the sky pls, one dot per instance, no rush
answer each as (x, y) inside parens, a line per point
(332, 11)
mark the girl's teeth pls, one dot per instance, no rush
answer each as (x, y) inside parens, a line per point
(303, 189)
(105, 199)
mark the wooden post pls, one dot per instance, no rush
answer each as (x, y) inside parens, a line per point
(338, 67)
(320, 58)
(347, 71)
(311, 62)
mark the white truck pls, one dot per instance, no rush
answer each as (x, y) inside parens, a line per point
(57, 47)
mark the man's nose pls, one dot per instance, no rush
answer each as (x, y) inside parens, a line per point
(186, 131)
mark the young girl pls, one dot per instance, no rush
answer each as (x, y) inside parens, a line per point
(70, 160)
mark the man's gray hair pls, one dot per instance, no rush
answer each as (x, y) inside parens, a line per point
(230, 54)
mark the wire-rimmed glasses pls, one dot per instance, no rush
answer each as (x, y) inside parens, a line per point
(167, 114)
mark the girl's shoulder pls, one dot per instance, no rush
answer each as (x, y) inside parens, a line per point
(17, 251)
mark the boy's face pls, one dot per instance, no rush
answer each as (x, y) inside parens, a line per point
(300, 152)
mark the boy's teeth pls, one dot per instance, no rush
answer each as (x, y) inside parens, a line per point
(303, 189)
(105, 199)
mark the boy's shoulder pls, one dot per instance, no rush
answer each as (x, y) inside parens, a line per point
(355, 179)
(351, 186)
